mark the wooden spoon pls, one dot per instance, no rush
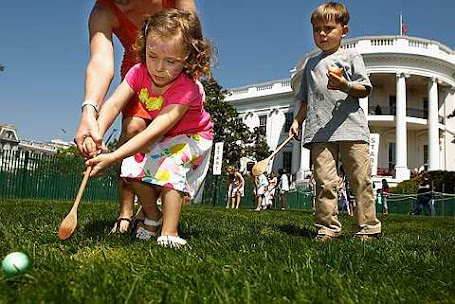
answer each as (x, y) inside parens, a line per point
(261, 166)
(69, 223)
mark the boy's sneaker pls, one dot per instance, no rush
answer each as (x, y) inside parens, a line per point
(365, 237)
(323, 238)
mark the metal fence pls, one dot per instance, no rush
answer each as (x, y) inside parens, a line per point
(24, 174)
(32, 176)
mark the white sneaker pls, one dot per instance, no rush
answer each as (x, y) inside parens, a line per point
(171, 241)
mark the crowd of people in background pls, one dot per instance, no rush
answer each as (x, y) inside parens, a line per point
(269, 189)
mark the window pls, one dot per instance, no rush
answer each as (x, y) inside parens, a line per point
(425, 155)
(287, 161)
(263, 123)
(289, 120)
(425, 108)
(392, 159)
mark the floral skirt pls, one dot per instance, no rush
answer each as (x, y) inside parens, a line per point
(180, 162)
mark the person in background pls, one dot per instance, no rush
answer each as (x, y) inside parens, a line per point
(283, 186)
(312, 188)
(121, 18)
(385, 193)
(343, 200)
(261, 183)
(423, 198)
(273, 182)
(335, 124)
(236, 189)
(171, 156)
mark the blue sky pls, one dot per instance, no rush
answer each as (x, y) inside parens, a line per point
(44, 48)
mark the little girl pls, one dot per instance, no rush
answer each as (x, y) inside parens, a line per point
(236, 189)
(176, 144)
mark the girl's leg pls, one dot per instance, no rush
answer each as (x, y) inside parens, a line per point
(259, 202)
(237, 200)
(148, 194)
(172, 209)
(233, 198)
(385, 207)
(130, 127)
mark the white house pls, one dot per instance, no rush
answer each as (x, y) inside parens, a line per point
(414, 92)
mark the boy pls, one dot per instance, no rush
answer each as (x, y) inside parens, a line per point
(335, 124)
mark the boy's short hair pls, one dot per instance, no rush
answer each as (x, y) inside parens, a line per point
(331, 11)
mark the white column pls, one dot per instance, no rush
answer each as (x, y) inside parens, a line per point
(296, 146)
(401, 166)
(304, 161)
(363, 103)
(433, 125)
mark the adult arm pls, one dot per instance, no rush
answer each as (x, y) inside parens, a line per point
(109, 112)
(99, 74)
(188, 5)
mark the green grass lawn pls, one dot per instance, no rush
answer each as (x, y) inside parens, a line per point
(234, 257)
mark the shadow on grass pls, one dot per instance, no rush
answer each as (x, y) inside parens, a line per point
(297, 230)
(97, 228)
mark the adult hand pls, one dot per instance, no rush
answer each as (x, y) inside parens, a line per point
(88, 127)
(100, 162)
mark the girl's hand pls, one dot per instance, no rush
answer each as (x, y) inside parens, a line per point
(100, 162)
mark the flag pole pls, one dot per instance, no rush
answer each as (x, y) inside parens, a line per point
(401, 24)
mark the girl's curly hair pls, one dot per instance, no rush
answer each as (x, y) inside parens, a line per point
(171, 23)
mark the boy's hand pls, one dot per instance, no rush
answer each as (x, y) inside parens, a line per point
(336, 81)
(100, 162)
(294, 130)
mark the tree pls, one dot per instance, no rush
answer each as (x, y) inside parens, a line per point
(230, 129)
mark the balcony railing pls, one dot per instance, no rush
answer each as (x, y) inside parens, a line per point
(412, 112)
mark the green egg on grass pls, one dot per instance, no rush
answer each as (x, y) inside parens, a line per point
(15, 263)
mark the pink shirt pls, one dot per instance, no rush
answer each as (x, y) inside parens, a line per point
(184, 91)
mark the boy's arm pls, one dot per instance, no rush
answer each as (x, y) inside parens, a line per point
(354, 89)
(298, 120)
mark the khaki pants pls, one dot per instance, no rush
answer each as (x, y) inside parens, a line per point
(356, 163)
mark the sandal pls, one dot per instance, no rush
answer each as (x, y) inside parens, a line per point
(144, 234)
(117, 226)
(172, 241)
